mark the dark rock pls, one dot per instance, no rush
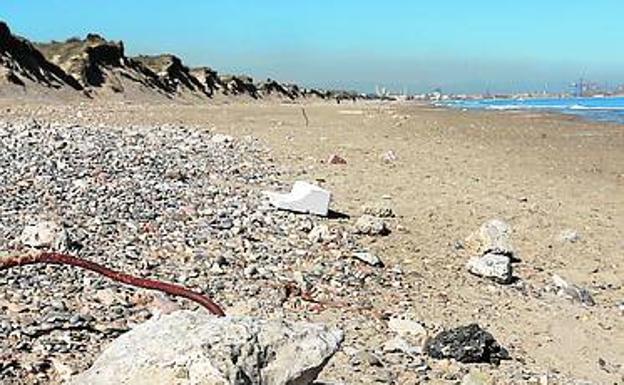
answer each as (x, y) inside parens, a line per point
(467, 344)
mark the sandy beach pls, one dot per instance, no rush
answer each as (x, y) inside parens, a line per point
(449, 172)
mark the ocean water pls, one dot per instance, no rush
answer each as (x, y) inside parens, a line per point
(597, 109)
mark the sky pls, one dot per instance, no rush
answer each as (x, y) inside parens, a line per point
(460, 46)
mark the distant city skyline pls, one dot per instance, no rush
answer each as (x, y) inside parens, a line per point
(458, 46)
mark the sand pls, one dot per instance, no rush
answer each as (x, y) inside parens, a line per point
(541, 173)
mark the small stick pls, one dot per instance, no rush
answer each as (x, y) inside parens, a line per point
(305, 116)
(62, 259)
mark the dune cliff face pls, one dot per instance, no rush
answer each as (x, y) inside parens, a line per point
(209, 78)
(175, 76)
(98, 67)
(21, 64)
(97, 63)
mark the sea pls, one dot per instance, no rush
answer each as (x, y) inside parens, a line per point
(603, 109)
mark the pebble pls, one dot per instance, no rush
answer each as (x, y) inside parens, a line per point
(569, 235)
(368, 258)
(370, 225)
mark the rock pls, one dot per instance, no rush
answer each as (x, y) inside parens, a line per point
(370, 225)
(389, 157)
(195, 348)
(476, 378)
(221, 139)
(380, 210)
(406, 326)
(46, 234)
(494, 266)
(572, 291)
(366, 357)
(467, 344)
(492, 237)
(368, 258)
(569, 235)
(400, 345)
(303, 198)
(320, 233)
(336, 159)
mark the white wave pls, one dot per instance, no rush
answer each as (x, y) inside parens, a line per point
(596, 108)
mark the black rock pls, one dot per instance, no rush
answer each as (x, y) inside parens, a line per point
(467, 344)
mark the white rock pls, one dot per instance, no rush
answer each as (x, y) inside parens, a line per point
(320, 233)
(569, 235)
(399, 345)
(406, 327)
(368, 258)
(303, 198)
(193, 348)
(389, 157)
(221, 138)
(492, 237)
(572, 291)
(370, 225)
(46, 234)
(493, 266)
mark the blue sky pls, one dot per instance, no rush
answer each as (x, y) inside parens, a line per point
(459, 45)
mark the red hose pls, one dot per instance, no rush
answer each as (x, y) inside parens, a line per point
(62, 259)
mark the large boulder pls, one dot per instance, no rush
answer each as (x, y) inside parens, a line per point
(195, 348)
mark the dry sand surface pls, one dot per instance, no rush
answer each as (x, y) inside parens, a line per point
(543, 174)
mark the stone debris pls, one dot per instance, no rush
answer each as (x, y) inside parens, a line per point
(166, 202)
(494, 266)
(368, 258)
(336, 159)
(380, 210)
(476, 378)
(303, 198)
(320, 233)
(366, 357)
(401, 345)
(492, 237)
(161, 202)
(195, 348)
(389, 157)
(45, 234)
(467, 344)
(492, 252)
(405, 327)
(569, 235)
(572, 291)
(370, 225)
(221, 139)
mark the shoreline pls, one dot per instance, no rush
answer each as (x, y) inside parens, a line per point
(609, 114)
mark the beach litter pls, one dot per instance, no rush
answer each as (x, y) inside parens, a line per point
(303, 198)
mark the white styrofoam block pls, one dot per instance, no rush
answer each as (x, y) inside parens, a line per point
(303, 198)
